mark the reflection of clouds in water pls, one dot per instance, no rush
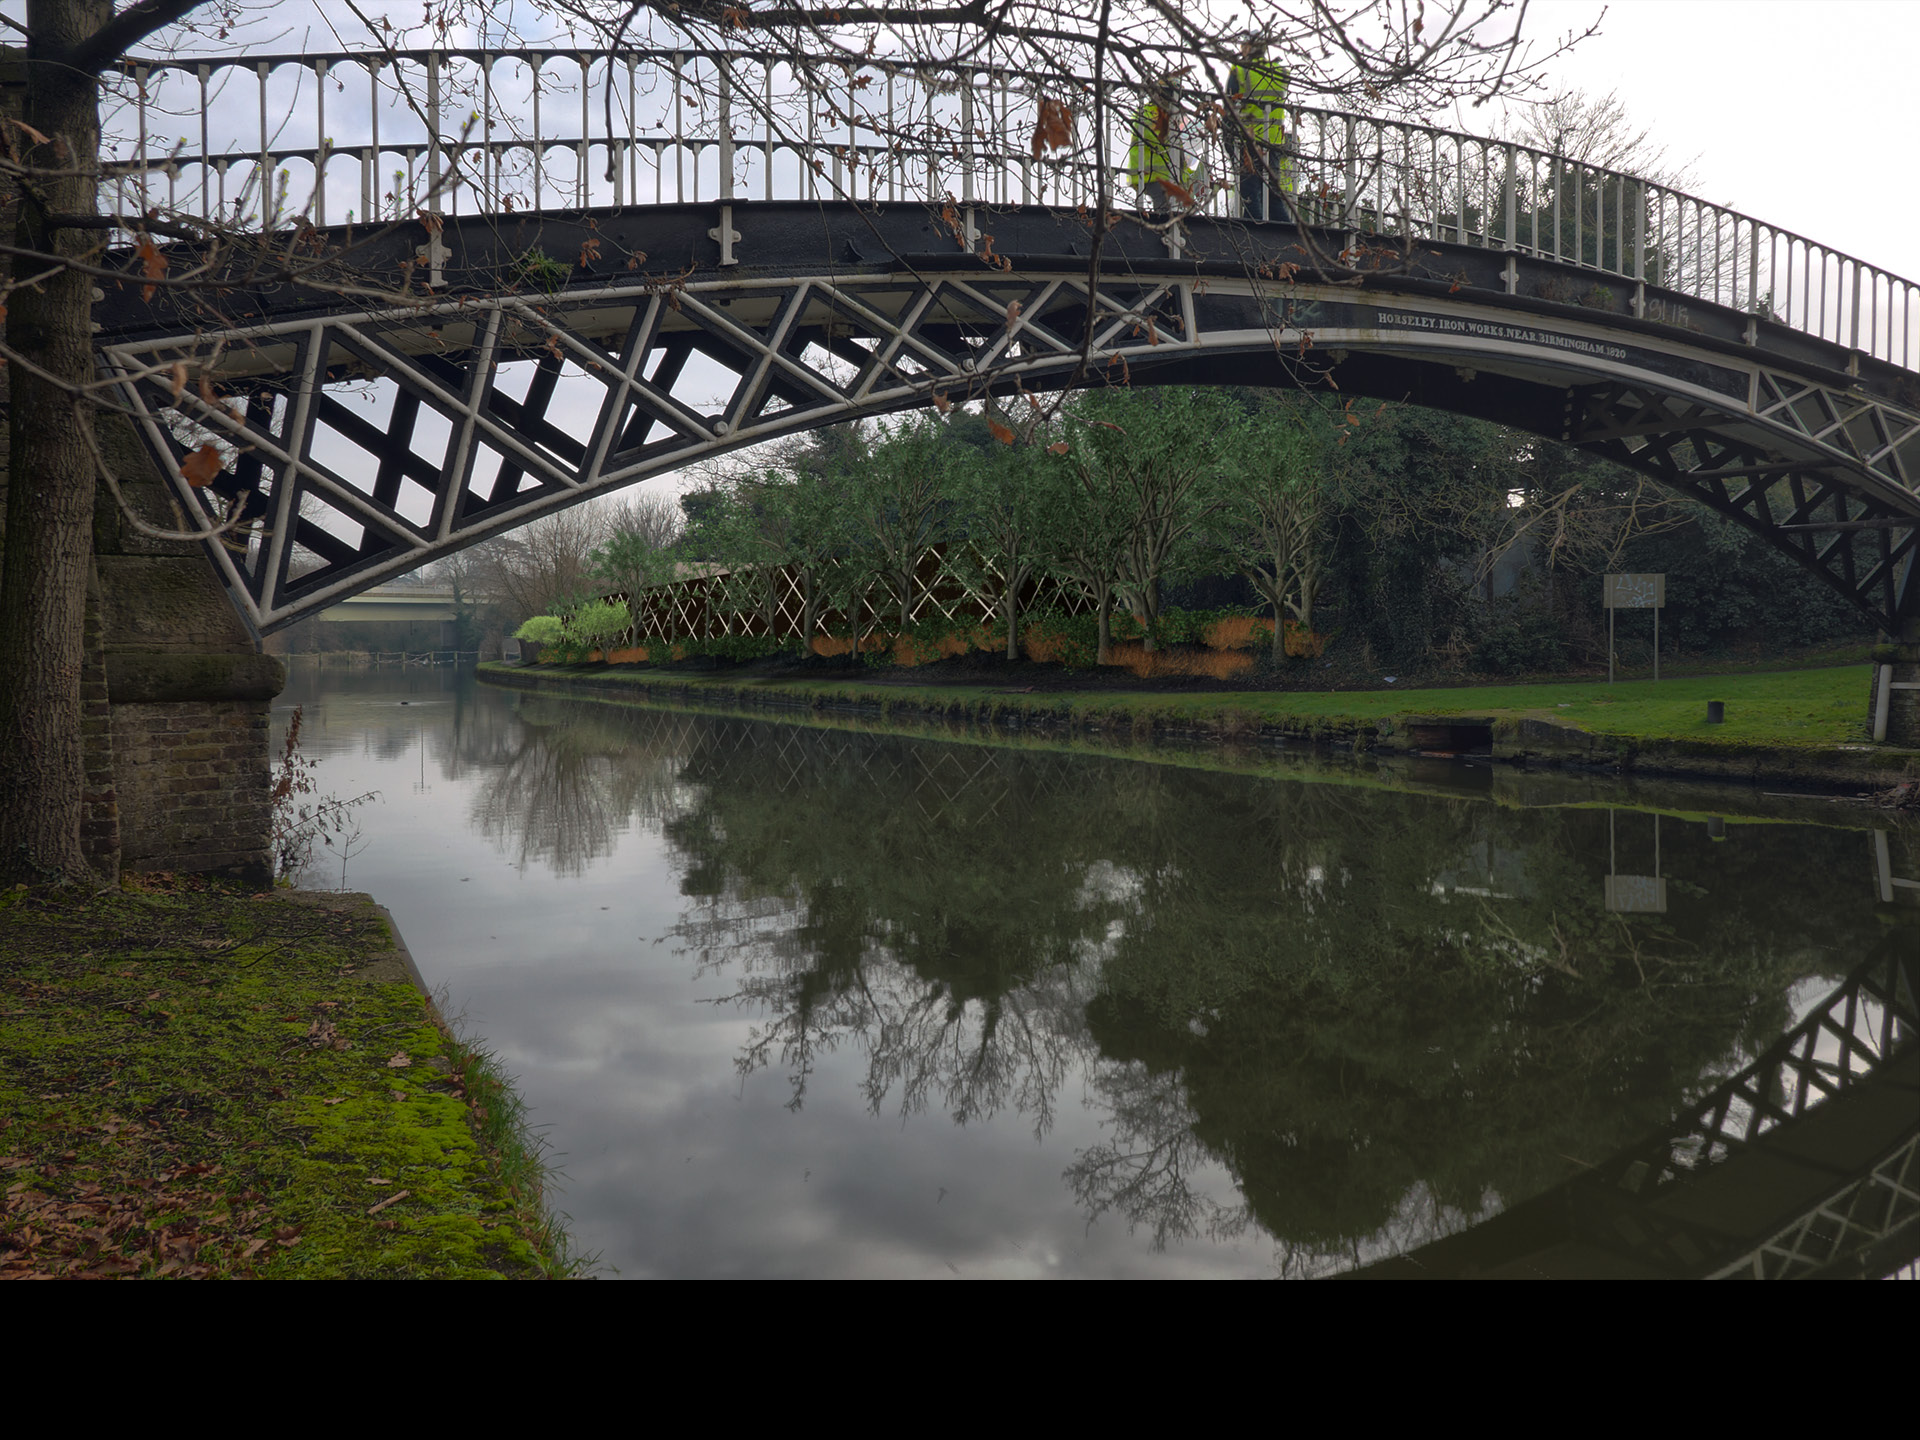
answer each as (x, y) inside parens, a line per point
(1276, 1027)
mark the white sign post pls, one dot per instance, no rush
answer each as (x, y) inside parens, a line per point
(1634, 592)
(1635, 894)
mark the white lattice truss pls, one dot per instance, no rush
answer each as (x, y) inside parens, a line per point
(504, 409)
(1868, 1022)
(1854, 1219)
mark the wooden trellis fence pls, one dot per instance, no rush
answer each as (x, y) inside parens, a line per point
(954, 586)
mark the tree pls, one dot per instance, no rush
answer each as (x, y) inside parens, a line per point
(1150, 457)
(898, 499)
(544, 566)
(1270, 517)
(1016, 510)
(639, 547)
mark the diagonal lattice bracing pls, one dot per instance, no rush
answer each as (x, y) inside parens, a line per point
(1872, 1017)
(1859, 538)
(1802, 1163)
(360, 445)
(1860, 1216)
(957, 589)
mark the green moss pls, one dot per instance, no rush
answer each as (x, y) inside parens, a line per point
(206, 1082)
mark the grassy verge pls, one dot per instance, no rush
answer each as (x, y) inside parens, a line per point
(201, 1082)
(1797, 709)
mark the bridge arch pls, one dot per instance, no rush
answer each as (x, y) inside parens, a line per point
(546, 361)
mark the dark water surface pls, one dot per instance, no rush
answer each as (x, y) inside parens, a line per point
(801, 1001)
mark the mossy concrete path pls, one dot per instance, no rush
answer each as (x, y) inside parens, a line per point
(197, 1081)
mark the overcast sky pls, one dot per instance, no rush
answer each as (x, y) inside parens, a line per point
(1800, 112)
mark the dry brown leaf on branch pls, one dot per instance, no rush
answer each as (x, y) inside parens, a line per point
(1000, 432)
(28, 131)
(589, 251)
(179, 374)
(1059, 447)
(1054, 129)
(941, 403)
(1013, 315)
(153, 264)
(202, 465)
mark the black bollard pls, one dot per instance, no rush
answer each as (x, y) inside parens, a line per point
(1716, 712)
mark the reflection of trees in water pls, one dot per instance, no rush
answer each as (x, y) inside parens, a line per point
(871, 892)
(1378, 1014)
(569, 780)
(1146, 1173)
(479, 732)
(1347, 1032)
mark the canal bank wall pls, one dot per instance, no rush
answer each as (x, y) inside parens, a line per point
(1421, 729)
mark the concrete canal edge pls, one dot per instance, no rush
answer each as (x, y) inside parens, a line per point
(496, 1111)
(1526, 740)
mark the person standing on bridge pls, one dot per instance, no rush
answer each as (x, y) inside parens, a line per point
(1157, 159)
(1257, 87)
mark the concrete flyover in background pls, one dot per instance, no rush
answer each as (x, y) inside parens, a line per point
(618, 294)
(395, 603)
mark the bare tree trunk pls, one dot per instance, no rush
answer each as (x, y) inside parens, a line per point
(50, 480)
(809, 611)
(1103, 655)
(1012, 608)
(1150, 613)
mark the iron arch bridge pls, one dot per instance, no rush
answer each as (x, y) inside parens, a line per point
(607, 321)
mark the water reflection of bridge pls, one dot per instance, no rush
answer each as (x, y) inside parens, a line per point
(1805, 1164)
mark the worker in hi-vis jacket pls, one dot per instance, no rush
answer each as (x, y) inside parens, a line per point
(1257, 87)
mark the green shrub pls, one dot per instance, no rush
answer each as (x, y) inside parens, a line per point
(541, 630)
(596, 624)
(733, 647)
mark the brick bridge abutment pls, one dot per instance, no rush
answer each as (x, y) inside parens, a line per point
(174, 696)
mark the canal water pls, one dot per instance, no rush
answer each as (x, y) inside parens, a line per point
(797, 1000)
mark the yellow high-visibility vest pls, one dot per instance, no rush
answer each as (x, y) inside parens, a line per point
(1260, 88)
(1149, 158)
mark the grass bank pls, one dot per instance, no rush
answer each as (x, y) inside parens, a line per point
(1802, 726)
(1797, 724)
(197, 1081)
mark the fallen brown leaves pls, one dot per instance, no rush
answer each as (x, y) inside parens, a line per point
(173, 1223)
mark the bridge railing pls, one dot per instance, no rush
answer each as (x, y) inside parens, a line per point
(267, 139)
